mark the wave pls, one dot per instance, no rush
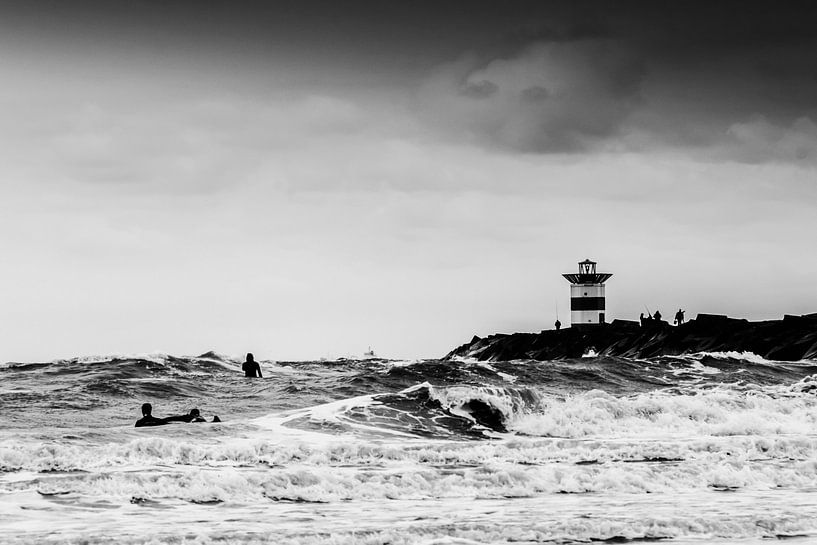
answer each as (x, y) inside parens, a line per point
(422, 410)
(703, 395)
(694, 412)
(593, 527)
(426, 447)
(248, 470)
(428, 398)
(461, 452)
(479, 412)
(94, 381)
(156, 361)
(743, 356)
(612, 374)
(609, 373)
(320, 484)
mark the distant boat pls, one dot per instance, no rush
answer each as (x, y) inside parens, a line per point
(369, 353)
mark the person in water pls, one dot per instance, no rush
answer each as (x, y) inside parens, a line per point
(251, 367)
(149, 420)
(193, 416)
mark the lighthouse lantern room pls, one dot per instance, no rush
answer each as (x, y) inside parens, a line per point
(587, 305)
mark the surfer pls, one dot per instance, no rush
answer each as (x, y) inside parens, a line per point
(251, 367)
(193, 416)
(148, 419)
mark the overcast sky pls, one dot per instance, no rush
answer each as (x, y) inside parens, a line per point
(305, 179)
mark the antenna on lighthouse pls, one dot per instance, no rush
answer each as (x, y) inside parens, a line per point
(587, 300)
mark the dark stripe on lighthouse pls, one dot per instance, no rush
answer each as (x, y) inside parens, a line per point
(587, 303)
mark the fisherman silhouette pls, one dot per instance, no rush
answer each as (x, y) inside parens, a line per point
(558, 324)
(251, 367)
(657, 316)
(679, 317)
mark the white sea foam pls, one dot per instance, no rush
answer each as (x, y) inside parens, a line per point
(735, 355)
(456, 397)
(468, 360)
(353, 470)
(505, 376)
(388, 364)
(155, 357)
(697, 518)
(717, 411)
(705, 369)
(333, 468)
(333, 415)
(363, 491)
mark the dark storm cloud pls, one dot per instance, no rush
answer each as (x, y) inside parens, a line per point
(720, 79)
(479, 89)
(549, 97)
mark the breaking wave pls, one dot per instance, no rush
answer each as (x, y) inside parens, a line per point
(702, 447)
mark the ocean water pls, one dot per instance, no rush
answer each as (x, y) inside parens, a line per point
(707, 448)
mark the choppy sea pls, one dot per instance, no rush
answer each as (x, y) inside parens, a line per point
(706, 448)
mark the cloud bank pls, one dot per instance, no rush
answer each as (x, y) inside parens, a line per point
(550, 97)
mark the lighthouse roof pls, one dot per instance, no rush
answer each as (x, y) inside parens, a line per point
(587, 274)
(587, 278)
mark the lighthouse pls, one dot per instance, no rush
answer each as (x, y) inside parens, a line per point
(587, 294)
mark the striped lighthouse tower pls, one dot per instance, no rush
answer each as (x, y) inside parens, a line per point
(587, 294)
